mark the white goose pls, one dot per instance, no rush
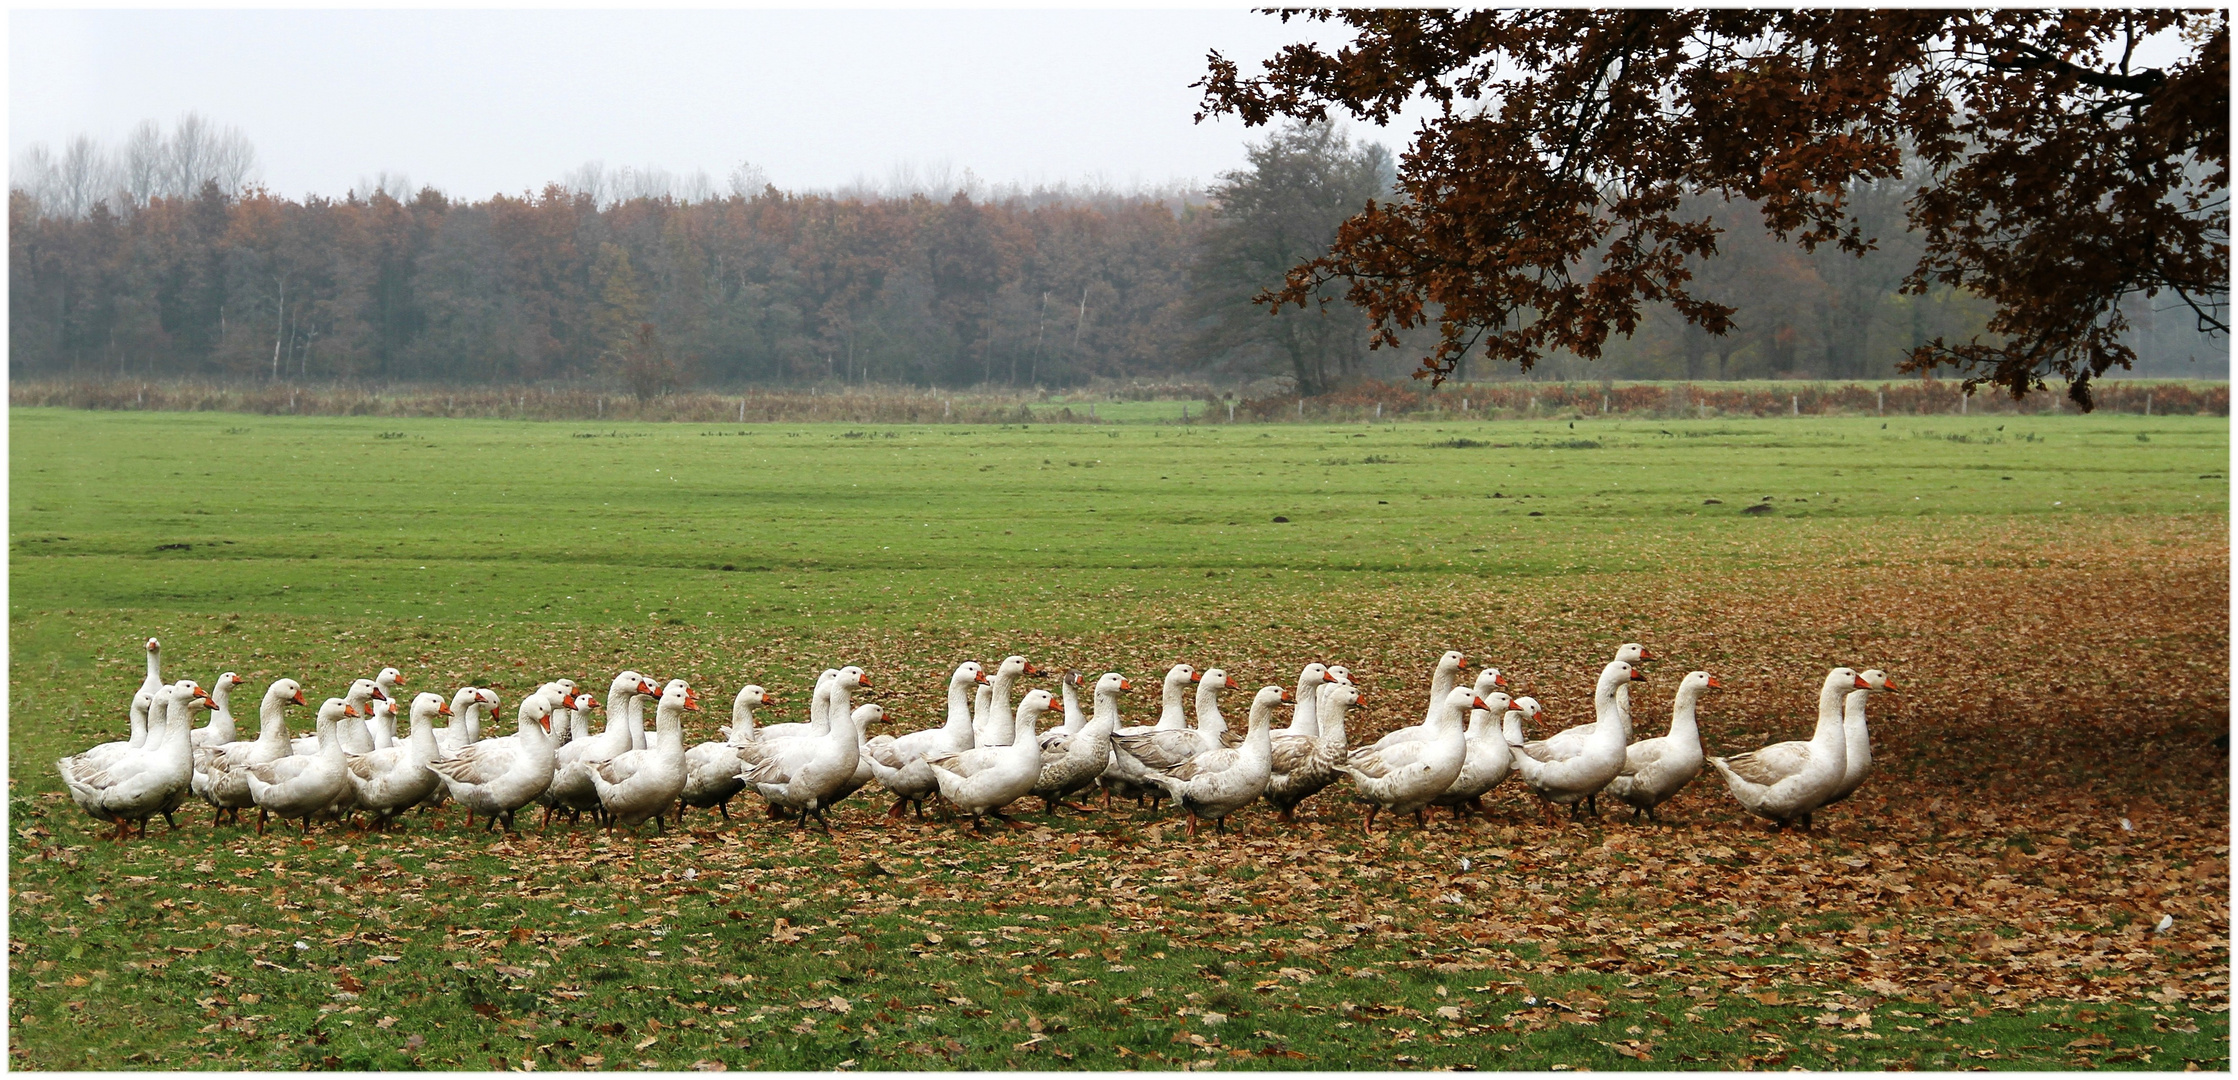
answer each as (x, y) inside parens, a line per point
(898, 761)
(1220, 782)
(1784, 782)
(298, 786)
(1444, 678)
(382, 724)
(1135, 751)
(146, 715)
(1570, 740)
(351, 729)
(1299, 766)
(1521, 711)
(220, 729)
(392, 780)
(1075, 718)
(1488, 682)
(148, 781)
(221, 773)
(1212, 725)
(571, 789)
(711, 768)
(1305, 720)
(828, 710)
(1655, 769)
(983, 780)
(641, 784)
(1566, 774)
(1489, 758)
(1402, 779)
(496, 777)
(1071, 762)
(1857, 750)
(466, 720)
(807, 775)
(995, 729)
(833, 696)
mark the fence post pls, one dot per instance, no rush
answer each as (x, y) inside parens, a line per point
(1231, 412)
(1464, 404)
(1379, 410)
(1962, 395)
(1301, 406)
(1604, 404)
(1880, 403)
(1794, 405)
(741, 409)
(2148, 403)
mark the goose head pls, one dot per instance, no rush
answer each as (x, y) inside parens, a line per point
(1528, 706)
(228, 681)
(1180, 675)
(585, 703)
(1489, 680)
(1036, 701)
(155, 648)
(865, 715)
(192, 689)
(1344, 694)
(1632, 652)
(536, 709)
(1014, 666)
(389, 678)
(1496, 703)
(679, 695)
(1698, 681)
(1871, 679)
(426, 706)
(749, 696)
(1455, 660)
(486, 696)
(1217, 678)
(285, 692)
(1846, 679)
(1112, 682)
(1460, 701)
(853, 677)
(1338, 673)
(1314, 675)
(333, 710)
(364, 690)
(625, 684)
(967, 674)
(1268, 698)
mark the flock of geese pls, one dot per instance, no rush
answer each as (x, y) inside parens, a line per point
(986, 757)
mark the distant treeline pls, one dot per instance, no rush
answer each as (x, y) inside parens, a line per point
(1365, 400)
(165, 278)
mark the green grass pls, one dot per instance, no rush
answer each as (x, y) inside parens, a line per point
(448, 520)
(503, 552)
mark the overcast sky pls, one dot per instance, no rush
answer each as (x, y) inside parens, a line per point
(482, 102)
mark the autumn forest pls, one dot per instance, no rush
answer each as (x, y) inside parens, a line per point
(211, 276)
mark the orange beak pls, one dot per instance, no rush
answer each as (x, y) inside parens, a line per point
(1231, 682)
(1476, 702)
(565, 699)
(546, 720)
(1646, 655)
(1888, 684)
(691, 701)
(1464, 661)
(1638, 675)
(349, 709)
(1030, 670)
(1714, 682)
(299, 697)
(1362, 699)
(401, 680)
(980, 676)
(1861, 683)
(1287, 696)
(1196, 676)
(1125, 685)
(378, 695)
(644, 687)
(201, 693)
(1499, 680)
(865, 681)
(443, 709)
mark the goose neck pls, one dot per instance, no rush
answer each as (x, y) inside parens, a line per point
(272, 719)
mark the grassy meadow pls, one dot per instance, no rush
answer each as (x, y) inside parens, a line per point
(2049, 591)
